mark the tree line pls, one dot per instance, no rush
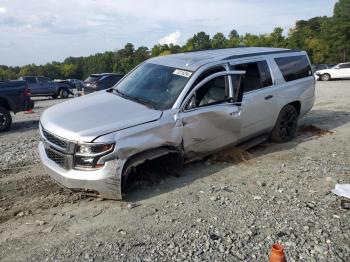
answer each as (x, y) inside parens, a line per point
(326, 39)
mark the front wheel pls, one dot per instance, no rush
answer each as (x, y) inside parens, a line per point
(64, 93)
(5, 119)
(325, 77)
(286, 125)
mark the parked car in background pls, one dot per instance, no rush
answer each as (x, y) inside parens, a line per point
(96, 82)
(14, 97)
(44, 86)
(339, 71)
(176, 109)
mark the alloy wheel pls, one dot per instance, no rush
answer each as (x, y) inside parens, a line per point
(288, 124)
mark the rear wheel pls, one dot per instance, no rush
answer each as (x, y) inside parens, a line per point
(5, 119)
(286, 125)
(64, 93)
(325, 77)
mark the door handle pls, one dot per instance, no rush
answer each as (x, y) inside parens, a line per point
(268, 97)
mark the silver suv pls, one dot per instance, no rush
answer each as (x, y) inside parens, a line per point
(182, 106)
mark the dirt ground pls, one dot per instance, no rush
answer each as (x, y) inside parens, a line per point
(225, 208)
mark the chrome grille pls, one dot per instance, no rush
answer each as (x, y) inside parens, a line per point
(55, 140)
(59, 159)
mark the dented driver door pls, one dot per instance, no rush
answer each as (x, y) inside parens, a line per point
(211, 117)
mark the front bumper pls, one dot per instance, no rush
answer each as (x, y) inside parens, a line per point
(105, 181)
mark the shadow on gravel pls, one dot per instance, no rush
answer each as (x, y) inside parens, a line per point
(18, 127)
(37, 99)
(152, 180)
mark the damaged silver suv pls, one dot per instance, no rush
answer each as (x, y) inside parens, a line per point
(183, 106)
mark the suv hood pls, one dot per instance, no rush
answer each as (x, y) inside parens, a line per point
(84, 118)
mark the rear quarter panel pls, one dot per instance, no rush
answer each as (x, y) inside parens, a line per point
(302, 90)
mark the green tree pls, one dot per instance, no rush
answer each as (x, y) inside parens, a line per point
(199, 41)
(340, 30)
(233, 34)
(69, 70)
(219, 41)
(233, 39)
(276, 38)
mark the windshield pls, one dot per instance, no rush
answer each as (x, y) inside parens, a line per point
(92, 78)
(153, 84)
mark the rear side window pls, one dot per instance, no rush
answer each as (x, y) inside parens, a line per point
(251, 80)
(265, 74)
(294, 67)
(344, 66)
(30, 79)
(257, 75)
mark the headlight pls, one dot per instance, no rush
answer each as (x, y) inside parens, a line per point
(87, 155)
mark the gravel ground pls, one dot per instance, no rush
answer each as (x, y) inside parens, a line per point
(220, 209)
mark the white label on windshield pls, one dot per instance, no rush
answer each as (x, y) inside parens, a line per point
(183, 73)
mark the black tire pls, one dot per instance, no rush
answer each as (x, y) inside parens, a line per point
(64, 93)
(286, 125)
(5, 119)
(325, 77)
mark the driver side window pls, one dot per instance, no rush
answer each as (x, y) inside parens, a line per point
(213, 92)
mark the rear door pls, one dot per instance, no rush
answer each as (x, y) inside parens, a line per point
(258, 103)
(344, 70)
(44, 85)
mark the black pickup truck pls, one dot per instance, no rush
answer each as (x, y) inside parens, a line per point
(44, 86)
(14, 97)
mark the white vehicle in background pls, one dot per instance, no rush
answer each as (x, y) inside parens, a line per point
(340, 71)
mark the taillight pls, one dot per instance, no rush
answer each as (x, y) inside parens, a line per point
(27, 91)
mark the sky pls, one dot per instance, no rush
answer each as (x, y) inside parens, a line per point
(41, 31)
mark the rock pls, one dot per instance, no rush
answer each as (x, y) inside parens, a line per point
(20, 214)
(214, 237)
(222, 248)
(121, 231)
(256, 197)
(261, 183)
(40, 222)
(214, 198)
(133, 205)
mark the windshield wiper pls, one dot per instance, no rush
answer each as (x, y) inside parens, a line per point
(136, 99)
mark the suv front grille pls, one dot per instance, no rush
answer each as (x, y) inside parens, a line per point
(55, 140)
(59, 159)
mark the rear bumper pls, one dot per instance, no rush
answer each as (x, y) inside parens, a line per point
(104, 181)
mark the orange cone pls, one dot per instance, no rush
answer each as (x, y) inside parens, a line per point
(29, 111)
(277, 253)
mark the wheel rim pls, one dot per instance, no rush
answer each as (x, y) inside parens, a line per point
(288, 124)
(65, 94)
(2, 120)
(325, 77)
